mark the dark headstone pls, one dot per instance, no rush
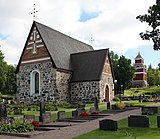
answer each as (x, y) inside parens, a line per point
(75, 114)
(3, 110)
(29, 118)
(96, 103)
(17, 111)
(46, 117)
(113, 107)
(108, 124)
(158, 121)
(149, 110)
(108, 105)
(138, 121)
(79, 110)
(61, 115)
(42, 110)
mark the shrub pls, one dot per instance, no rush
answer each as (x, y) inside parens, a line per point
(16, 127)
(84, 114)
(120, 106)
(35, 124)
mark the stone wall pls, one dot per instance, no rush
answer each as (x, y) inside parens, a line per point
(62, 84)
(47, 83)
(84, 90)
(106, 80)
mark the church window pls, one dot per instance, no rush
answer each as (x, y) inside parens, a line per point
(35, 83)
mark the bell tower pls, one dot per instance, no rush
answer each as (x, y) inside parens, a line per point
(140, 77)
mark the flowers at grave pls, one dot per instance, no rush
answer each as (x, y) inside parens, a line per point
(35, 123)
(84, 114)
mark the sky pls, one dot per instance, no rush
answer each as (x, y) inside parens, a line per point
(111, 24)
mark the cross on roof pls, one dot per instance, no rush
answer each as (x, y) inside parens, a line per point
(91, 40)
(34, 11)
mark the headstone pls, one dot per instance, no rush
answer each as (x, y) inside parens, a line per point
(42, 110)
(149, 109)
(92, 110)
(138, 121)
(6, 120)
(46, 117)
(61, 115)
(29, 118)
(113, 106)
(75, 113)
(3, 110)
(96, 103)
(108, 124)
(108, 105)
(17, 111)
(79, 110)
(158, 121)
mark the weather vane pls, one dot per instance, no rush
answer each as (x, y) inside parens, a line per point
(91, 40)
(34, 11)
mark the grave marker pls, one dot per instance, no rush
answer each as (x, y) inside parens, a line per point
(61, 115)
(138, 121)
(3, 110)
(108, 124)
(46, 117)
(29, 118)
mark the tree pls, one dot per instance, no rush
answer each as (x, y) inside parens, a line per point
(10, 85)
(3, 66)
(123, 71)
(153, 20)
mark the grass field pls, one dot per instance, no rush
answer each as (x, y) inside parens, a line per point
(124, 132)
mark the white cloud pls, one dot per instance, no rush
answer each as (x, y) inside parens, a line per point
(116, 26)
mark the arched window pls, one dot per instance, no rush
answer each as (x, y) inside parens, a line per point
(35, 82)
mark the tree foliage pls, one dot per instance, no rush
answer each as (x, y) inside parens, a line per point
(153, 20)
(7, 77)
(153, 76)
(123, 71)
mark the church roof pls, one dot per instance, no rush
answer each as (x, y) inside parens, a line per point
(88, 66)
(138, 56)
(60, 46)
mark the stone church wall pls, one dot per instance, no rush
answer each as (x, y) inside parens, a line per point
(84, 90)
(62, 85)
(47, 83)
(106, 80)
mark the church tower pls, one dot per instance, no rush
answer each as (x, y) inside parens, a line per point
(140, 77)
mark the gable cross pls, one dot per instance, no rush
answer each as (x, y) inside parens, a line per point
(34, 42)
(91, 40)
(34, 12)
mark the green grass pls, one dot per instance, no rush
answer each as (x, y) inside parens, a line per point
(124, 132)
(138, 91)
(137, 103)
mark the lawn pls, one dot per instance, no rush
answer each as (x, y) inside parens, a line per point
(124, 132)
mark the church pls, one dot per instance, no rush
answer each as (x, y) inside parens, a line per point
(58, 68)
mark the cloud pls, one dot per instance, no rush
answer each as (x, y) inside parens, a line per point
(114, 27)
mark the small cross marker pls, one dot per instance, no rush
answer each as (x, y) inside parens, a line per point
(34, 11)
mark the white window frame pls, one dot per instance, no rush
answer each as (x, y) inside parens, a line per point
(32, 85)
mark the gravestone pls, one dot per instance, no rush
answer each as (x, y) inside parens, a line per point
(75, 113)
(6, 120)
(96, 104)
(113, 106)
(79, 111)
(149, 110)
(61, 115)
(3, 110)
(158, 121)
(138, 121)
(92, 110)
(42, 110)
(108, 105)
(29, 118)
(108, 124)
(46, 117)
(17, 111)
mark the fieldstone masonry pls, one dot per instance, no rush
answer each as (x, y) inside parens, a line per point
(84, 91)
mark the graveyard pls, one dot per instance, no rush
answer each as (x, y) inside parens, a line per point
(40, 119)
